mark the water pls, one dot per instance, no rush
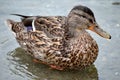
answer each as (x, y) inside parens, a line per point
(16, 65)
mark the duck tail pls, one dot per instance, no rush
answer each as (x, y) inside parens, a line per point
(23, 16)
(15, 26)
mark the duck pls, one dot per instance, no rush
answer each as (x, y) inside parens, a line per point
(62, 42)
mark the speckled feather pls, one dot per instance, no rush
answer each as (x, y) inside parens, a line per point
(80, 52)
(52, 43)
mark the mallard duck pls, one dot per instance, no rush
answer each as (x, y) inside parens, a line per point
(58, 41)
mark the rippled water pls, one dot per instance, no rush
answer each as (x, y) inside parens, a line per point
(16, 65)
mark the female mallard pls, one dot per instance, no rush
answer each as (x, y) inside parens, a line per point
(59, 41)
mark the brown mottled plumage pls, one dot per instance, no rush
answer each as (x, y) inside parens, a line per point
(60, 41)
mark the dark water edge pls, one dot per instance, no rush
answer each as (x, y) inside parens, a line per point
(16, 65)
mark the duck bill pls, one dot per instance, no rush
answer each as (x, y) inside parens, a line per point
(100, 32)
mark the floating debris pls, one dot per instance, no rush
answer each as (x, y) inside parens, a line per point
(116, 3)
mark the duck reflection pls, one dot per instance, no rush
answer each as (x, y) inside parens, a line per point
(22, 65)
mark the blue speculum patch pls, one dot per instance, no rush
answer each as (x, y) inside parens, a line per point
(29, 28)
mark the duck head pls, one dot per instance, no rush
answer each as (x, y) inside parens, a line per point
(81, 18)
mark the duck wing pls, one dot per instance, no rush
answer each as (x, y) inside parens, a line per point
(43, 43)
(27, 20)
(53, 26)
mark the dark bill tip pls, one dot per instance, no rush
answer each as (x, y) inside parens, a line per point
(110, 37)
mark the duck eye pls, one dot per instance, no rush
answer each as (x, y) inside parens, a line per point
(96, 26)
(90, 20)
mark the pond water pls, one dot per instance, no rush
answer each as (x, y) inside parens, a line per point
(16, 65)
